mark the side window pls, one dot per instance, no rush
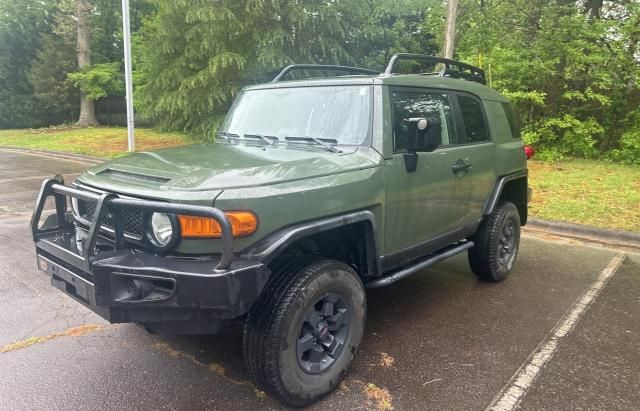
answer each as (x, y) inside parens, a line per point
(512, 119)
(473, 120)
(410, 104)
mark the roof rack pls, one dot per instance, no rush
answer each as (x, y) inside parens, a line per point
(322, 67)
(452, 68)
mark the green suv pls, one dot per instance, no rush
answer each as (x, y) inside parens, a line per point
(316, 189)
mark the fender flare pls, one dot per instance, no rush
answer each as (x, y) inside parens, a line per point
(492, 201)
(271, 246)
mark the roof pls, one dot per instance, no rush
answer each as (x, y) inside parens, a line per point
(399, 80)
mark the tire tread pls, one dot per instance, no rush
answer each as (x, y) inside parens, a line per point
(483, 255)
(262, 333)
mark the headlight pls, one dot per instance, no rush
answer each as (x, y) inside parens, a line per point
(162, 230)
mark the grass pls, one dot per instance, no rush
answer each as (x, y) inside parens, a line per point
(96, 141)
(588, 192)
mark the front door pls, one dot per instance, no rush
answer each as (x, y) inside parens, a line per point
(425, 207)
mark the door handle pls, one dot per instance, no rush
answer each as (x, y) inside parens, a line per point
(461, 165)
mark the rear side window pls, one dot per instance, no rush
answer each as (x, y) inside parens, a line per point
(475, 128)
(512, 119)
(409, 104)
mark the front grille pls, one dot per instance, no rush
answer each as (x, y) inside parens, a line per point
(128, 176)
(131, 218)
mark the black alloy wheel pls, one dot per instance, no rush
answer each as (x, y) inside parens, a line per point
(323, 333)
(508, 247)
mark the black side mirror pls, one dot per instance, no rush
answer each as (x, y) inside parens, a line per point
(424, 135)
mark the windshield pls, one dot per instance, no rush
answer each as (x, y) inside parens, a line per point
(340, 113)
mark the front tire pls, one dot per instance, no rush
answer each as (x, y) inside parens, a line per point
(301, 336)
(497, 242)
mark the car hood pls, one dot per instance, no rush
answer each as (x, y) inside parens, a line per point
(220, 166)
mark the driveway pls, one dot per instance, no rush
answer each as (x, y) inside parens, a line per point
(563, 332)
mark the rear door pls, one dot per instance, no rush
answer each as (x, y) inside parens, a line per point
(475, 149)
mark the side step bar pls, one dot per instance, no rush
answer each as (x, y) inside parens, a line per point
(420, 265)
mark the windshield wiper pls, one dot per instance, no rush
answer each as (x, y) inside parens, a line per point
(267, 139)
(230, 136)
(324, 142)
(233, 136)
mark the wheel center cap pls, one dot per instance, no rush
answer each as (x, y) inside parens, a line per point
(323, 329)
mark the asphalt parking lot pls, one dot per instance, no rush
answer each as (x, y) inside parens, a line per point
(563, 332)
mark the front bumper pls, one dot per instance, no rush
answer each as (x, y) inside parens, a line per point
(166, 294)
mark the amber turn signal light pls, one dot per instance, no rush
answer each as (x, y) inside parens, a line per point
(243, 223)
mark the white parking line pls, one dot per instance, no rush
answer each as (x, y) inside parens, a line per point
(515, 390)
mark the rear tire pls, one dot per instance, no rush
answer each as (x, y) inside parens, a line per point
(497, 242)
(301, 336)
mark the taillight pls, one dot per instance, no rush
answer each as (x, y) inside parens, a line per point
(529, 151)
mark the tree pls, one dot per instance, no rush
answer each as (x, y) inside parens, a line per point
(87, 107)
(382, 28)
(38, 49)
(48, 77)
(22, 23)
(196, 57)
(98, 81)
(572, 77)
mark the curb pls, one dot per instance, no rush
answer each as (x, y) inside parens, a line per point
(586, 232)
(57, 154)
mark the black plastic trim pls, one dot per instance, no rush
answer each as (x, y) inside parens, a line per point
(492, 201)
(270, 247)
(182, 289)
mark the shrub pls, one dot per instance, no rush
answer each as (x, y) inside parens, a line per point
(629, 151)
(566, 136)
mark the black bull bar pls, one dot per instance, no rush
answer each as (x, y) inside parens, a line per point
(113, 204)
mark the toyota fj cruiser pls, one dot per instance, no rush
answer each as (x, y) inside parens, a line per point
(315, 189)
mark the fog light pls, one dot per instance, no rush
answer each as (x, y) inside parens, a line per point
(139, 289)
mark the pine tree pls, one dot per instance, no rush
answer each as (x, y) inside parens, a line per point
(48, 77)
(197, 56)
(22, 23)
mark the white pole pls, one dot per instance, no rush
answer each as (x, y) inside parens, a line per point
(126, 31)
